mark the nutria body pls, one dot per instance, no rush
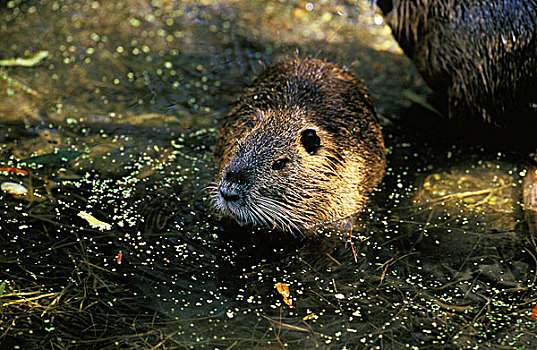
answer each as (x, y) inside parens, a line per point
(482, 54)
(300, 148)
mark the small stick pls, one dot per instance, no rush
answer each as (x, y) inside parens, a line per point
(24, 62)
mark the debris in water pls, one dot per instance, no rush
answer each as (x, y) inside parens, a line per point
(311, 316)
(55, 157)
(14, 188)
(95, 223)
(13, 170)
(24, 62)
(283, 289)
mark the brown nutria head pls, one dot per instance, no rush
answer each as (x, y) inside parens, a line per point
(300, 148)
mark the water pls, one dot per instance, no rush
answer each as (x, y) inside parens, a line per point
(131, 94)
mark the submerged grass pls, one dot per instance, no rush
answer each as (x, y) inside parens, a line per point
(70, 290)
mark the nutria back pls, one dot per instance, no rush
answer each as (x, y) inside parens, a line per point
(481, 53)
(300, 148)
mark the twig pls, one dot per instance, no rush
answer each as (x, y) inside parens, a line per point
(24, 62)
(20, 301)
(332, 258)
(453, 307)
(386, 266)
(460, 195)
(294, 328)
(167, 337)
(18, 84)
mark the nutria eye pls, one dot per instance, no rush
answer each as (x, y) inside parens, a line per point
(310, 140)
(279, 164)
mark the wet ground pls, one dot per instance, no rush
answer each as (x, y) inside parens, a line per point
(111, 243)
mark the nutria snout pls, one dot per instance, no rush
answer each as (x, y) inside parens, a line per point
(300, 148)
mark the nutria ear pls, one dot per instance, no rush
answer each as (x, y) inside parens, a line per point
(310, 140)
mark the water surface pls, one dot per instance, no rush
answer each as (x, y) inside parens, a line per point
(115, 244)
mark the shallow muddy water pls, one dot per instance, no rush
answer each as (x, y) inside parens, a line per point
(113, 244)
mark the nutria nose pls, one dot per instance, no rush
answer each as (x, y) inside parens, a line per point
(236, 176)
(230, 195)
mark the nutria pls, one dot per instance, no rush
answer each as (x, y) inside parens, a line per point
(481, 54)
(300, 148)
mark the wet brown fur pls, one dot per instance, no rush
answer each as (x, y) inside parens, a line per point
(266, 123)
(482, 54)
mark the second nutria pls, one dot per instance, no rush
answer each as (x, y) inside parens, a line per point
(482, 54)
(300, 148)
